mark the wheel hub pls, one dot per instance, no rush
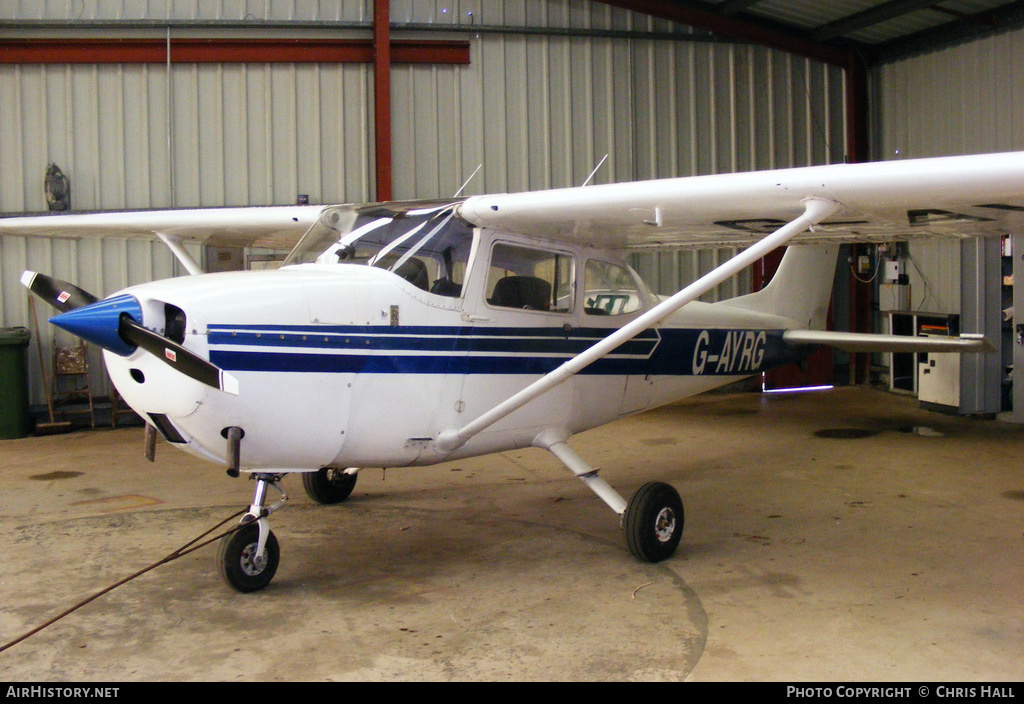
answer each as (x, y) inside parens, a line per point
(665, 525)
(251, 563)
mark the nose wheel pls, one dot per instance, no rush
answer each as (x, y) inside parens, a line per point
(242, 564)
(247, 558)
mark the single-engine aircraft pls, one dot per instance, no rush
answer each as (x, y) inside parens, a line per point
(411, 333)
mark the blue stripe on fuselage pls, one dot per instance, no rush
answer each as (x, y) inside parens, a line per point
(424, 339)
(474, 350)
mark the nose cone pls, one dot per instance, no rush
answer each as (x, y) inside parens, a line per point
(98, 322)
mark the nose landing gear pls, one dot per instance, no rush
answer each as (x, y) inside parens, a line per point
(248, 557)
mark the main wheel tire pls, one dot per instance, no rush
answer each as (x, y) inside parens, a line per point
(328, 485)
(237, 561)
(654, 522)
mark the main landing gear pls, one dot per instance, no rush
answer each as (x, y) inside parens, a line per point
(652, 520)
(329, 485)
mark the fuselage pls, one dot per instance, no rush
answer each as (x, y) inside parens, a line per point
(344, 364)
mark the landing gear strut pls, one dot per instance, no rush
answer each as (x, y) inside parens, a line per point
(652, 520)
(248, 558)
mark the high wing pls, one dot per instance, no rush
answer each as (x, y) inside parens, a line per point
(275, 227)
(962, 196)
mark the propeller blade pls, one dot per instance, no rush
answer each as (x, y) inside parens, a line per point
(59, 294)
(177, 357)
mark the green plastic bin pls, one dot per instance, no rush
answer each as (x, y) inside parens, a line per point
(15, 420)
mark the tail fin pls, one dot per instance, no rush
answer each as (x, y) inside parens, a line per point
(801, 288)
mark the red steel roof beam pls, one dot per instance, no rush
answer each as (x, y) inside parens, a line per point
(132, 51)
(382, 95)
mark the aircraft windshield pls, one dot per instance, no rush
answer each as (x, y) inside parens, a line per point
(428, 246)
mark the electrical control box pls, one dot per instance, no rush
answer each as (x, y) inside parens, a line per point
(893, 270)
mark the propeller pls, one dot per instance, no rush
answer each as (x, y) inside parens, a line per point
(59, 294)
(113, 324)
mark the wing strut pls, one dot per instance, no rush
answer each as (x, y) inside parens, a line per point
(815, 210)
(174, 244)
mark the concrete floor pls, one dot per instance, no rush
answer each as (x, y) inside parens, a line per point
(896, 554)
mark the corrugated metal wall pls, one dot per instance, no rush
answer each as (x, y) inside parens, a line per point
(211, 135)
(538, 108)
(541, 112)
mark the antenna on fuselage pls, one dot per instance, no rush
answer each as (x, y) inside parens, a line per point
(459, 192)
(599, 164)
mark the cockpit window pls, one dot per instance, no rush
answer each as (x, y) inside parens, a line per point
(428, 247)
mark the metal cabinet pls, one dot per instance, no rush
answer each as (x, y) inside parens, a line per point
(933, 378)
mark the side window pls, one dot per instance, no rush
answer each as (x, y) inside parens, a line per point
(530, 279)
(609, 289)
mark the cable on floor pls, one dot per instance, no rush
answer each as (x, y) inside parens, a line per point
(189, 547)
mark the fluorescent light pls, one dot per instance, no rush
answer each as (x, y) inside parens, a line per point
(796, 390)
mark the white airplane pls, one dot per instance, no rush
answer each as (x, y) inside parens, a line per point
(408, 334)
